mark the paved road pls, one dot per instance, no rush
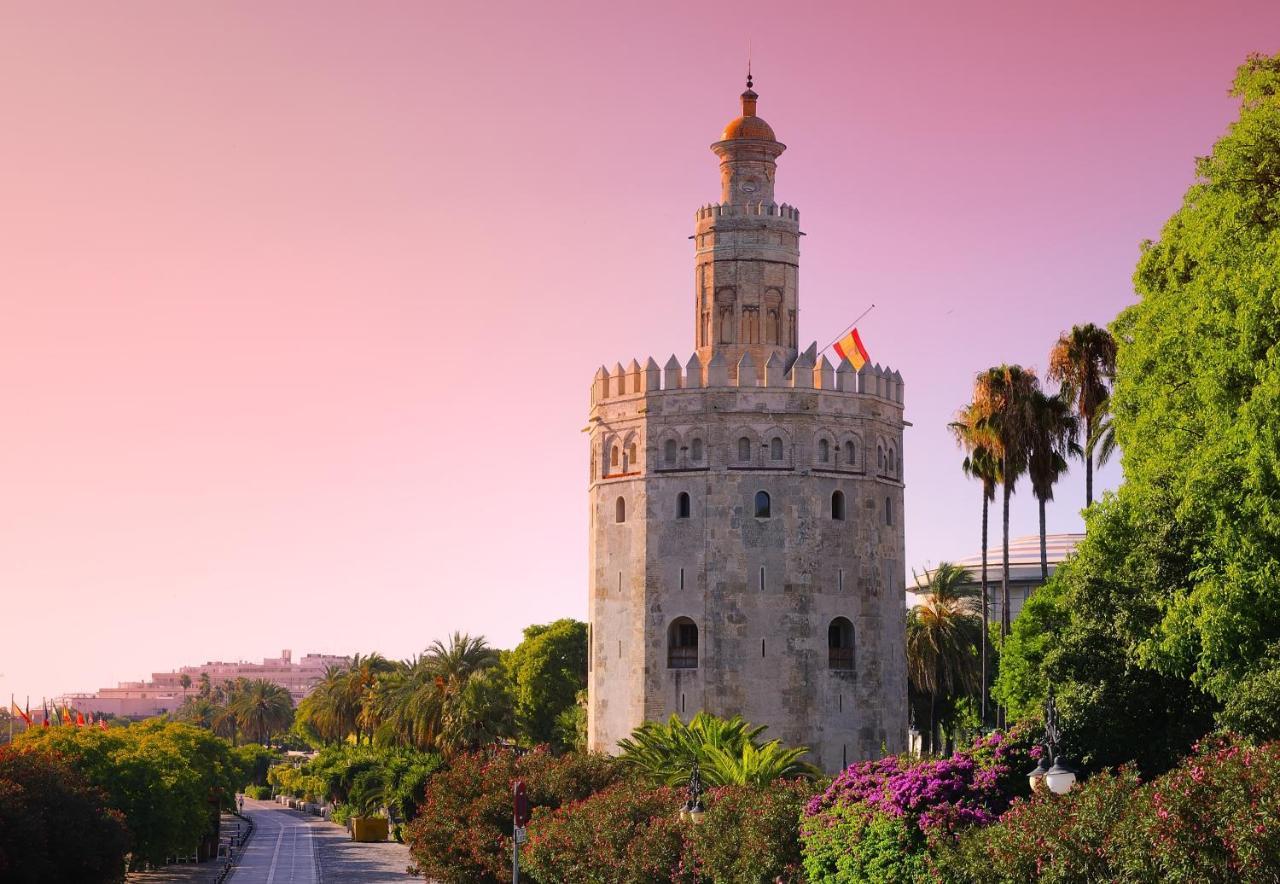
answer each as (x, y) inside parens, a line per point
(283, 847)
(291, 848)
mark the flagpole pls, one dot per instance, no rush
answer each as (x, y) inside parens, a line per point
(849, 326)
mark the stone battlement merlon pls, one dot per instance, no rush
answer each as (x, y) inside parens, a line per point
(637, 380)
(743, 210)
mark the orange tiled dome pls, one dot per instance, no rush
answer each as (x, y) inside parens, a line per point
(748, 125)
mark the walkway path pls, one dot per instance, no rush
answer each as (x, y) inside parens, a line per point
(289, 847)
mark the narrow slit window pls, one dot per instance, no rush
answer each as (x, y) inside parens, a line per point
(837, 505)
(762, 578)
(620, 510)
(762, 648)
(682, 578)
(682, 505)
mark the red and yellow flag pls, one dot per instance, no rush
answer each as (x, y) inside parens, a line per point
(18, 713)
(66, 716)
(850, 347)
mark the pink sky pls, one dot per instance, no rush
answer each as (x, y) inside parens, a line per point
(301, 302)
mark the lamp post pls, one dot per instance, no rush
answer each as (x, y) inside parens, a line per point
(1053, 772)
(693, 810)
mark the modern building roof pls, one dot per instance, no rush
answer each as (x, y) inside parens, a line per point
(1024, 559)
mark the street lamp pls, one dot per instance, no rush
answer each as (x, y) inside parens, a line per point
(693, 811)
(1053, 772)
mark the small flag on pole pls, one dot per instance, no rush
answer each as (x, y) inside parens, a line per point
(850, 347)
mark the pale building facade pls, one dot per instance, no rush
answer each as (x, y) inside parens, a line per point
(164, 693)
(746, 538)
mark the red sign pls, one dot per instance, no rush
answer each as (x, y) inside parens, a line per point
(521, 805)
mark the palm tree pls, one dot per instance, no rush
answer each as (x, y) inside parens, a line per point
(943, 634)
(728, 751)
(1083, 361)
(356, 711)
(1053, 440)
(451, 667)
(1004, 412)
(262, 708)
(206, 686)
(322, 710)
(185, 681)
(982, 464)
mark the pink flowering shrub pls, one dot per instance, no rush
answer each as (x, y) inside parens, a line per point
(879, 819)
(1215, 817)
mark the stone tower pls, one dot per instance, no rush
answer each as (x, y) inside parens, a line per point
(746, 536)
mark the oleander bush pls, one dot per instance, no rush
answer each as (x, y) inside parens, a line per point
(54, 826)
(751, 834)
(462, 834)
(1214, 817)
(630, 832)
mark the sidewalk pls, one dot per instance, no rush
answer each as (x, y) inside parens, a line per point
(343, 861)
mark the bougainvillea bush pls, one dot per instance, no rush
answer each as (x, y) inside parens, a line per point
(462, 834)
(1215, 817)
(879, 819)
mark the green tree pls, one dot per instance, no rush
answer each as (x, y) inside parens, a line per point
(548, 669)
(54, 826)
(262, 708)
(943, 635)
(1083, 361)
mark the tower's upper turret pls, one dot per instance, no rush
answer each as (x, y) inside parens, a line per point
(748, 252)
(748, 150)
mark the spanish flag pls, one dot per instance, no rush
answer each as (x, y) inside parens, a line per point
(850, 347)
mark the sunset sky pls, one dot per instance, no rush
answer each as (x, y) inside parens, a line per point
(300, 302)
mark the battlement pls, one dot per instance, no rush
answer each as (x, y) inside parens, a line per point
(729, 210)
(637, 380)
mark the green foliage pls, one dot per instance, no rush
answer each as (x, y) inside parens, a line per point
(261, 793)
(169, 780)
(1196, 398)
(368, 778)
(944, 641)
(1253, 709)
(548, 669)
(571, 725)
(1085, 633)
(462, 834)
(1214, 817)
(750, 834)
(854, 844)
(256, 760)
(54, 826)
(729, 752)
(626, 834)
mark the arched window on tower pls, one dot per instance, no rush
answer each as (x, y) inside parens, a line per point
(726, 325)
(840, 644)
(763, 505)
(706, 328)
(824, 451)
(850, 454)
(631, 455)
(620, 510)
(682, 644)
(893, 462)
(669, 452)
(880, 457)
(773, 327)
(888, 510)
(682, 505)
(837, 505)
(775, 448)
(695, 451)
(744, 449)
(614, 456)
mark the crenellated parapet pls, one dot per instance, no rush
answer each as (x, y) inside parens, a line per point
(747, 210)
(804, 373)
